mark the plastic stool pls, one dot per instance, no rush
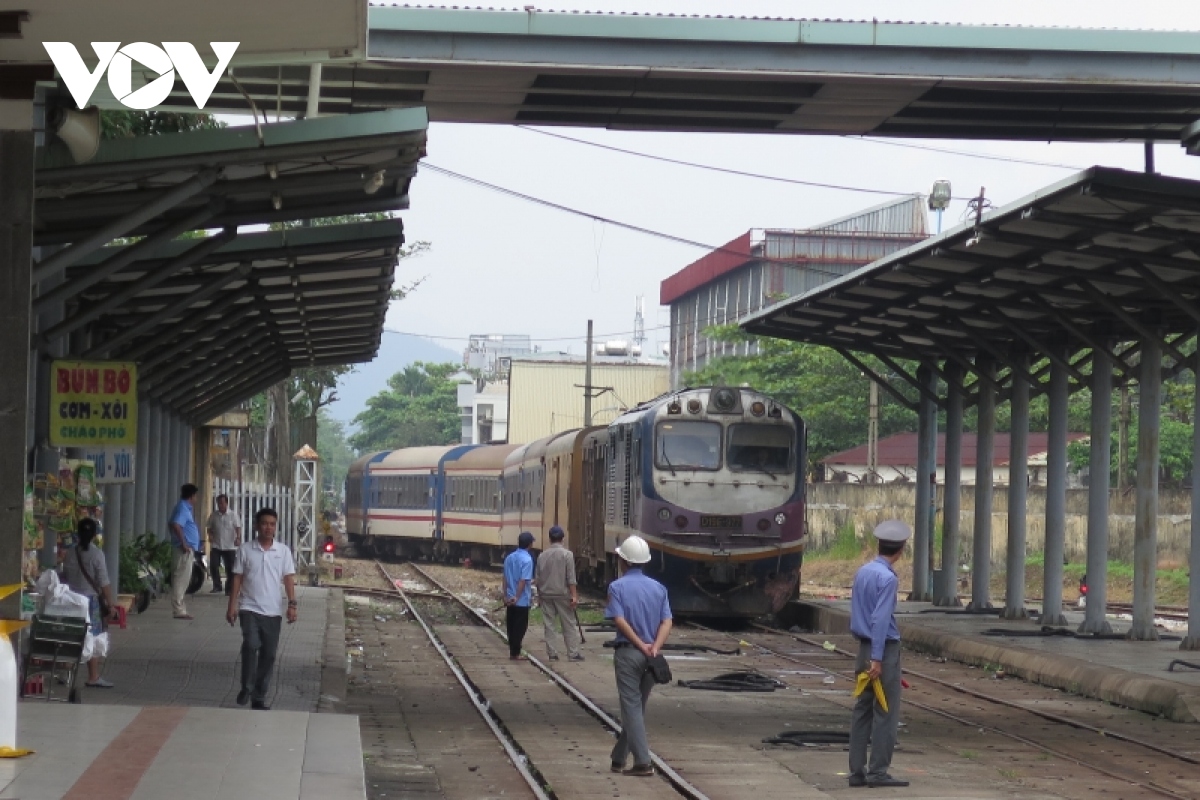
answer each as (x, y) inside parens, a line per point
(121, 617)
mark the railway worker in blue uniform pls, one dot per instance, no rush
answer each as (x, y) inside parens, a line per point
(639, 607)
(873, 623)
(518, 593)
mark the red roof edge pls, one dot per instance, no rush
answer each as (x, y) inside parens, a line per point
(704, 269)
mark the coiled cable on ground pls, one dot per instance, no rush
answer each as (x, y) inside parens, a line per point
(736, 682)
(804, 738)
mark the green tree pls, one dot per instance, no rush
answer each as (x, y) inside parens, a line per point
(127, 124)
(419, 407)
(335, 451)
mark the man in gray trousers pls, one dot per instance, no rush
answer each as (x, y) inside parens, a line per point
(558, 595)
(638, 606)
(872, 621)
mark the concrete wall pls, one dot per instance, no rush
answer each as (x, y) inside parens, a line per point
(832, 506)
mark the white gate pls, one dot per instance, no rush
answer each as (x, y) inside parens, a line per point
(245, 499)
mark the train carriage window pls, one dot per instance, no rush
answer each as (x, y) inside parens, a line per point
(760, 448)
(682, 444)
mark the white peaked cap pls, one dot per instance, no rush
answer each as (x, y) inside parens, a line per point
(893, 530)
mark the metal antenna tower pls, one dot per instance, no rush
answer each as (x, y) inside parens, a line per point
(639, 321)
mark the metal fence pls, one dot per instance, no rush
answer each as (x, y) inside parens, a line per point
(247, 498)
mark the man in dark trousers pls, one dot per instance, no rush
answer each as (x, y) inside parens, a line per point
(558, 595)
(518, 593)
(638, 606)
(262, 565)
(872, 621)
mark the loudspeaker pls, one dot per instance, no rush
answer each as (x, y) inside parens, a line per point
(80, 131)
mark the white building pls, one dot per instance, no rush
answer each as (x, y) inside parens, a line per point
(483, 410)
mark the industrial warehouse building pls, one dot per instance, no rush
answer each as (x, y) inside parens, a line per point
(764, 266)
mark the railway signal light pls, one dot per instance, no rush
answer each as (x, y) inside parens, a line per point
(328, 546)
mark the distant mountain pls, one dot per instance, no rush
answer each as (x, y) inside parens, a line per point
(397, 352)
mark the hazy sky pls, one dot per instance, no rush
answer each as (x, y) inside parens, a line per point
(500, 265)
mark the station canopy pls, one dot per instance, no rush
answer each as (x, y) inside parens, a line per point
(1103, 257)
(197, 256)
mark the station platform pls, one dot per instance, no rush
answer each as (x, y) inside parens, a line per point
(170, 727)
(1127, 673)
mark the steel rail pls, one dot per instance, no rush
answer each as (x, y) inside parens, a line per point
(1046, 715)
(519, 760)
(677, 781)
(960, 720)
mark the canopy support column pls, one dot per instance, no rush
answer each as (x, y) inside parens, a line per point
(945, 593)
(1192, 640)
(1056, 492)
(1099, 470)
(1145, 525)
(981, 555)
(16, 247)
(141, 470)
(1018, 493)
(926, 475)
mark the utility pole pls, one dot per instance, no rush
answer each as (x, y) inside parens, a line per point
(587, 381)
(873, 437)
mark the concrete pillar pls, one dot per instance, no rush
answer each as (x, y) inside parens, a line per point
(981, 556)
(1056, 494)
(153, 470)
(926, 468)
(1192, 640)
(114, 519)
(1018, 490)
(1099, 470)
(139, 518)
(16, 242)
(946, 592)
(1145, 524)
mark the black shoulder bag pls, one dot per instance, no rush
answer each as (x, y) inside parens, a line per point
(659, 668)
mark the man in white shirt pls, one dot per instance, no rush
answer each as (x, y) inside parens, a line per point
(224, 538)
(262, 564)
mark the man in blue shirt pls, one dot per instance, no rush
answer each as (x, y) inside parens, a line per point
(638, 605)
(518, 593)
(185, 536)
(872, 621)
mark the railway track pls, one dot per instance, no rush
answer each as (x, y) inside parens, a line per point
(539, 783)
(1183, 787)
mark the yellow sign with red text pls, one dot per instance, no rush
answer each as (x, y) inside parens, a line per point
(93, 403)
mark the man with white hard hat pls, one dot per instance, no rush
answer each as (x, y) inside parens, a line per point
(638, 605)
(873, 623)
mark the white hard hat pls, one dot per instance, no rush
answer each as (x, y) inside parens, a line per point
(634, 550)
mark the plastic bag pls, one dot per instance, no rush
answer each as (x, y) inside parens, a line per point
(58, 600)
(95, 646)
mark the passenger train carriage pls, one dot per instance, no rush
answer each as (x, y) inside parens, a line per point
(712, 478)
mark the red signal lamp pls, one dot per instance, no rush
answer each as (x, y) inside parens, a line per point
(328, 546)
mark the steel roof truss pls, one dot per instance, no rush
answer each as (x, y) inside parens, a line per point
(185, 338)
(1115, 309)
(880, 381)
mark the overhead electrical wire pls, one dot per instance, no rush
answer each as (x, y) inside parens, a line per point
(619, 224)
(964, 153)
(724, 170)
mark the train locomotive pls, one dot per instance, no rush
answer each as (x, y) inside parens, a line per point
(712, 478)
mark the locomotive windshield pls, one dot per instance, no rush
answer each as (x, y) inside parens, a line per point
(760, 448)
(688, 445)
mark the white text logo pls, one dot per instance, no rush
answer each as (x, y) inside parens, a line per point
(118, 60)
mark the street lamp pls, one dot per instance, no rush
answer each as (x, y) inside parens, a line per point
(939, 199)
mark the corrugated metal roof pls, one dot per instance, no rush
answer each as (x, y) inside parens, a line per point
(900, 450)
(766, 18)
(546, 397)
(855, 239)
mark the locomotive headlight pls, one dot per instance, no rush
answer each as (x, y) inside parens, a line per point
(763, 524)
(758, 408)
(664, 514)
(681, 522)
(694, 406)
(780, 518)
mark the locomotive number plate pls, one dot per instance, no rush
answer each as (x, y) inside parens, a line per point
(720, 523)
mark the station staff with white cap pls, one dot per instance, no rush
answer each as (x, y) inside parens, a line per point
(873, 623)
(638, 605)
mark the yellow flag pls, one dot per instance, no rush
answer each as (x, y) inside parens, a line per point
(5, 591)
(861, 684)
(14, 752)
